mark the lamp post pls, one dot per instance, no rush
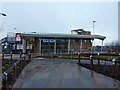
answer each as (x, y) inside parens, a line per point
(94, 32)
(94, 27)
(2, 14)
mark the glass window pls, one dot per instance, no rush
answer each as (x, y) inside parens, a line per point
(62, 40)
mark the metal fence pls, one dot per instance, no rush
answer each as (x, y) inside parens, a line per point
(10, 75)
(112, 68)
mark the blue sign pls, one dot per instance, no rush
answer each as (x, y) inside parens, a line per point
(49, 40)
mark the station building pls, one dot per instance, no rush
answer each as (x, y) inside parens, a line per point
(54, 43)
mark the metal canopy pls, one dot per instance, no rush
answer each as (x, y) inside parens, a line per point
(54, 35)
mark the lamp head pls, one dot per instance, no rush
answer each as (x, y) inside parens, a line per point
(3, 14)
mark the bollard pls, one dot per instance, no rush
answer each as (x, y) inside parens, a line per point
(79, 58)
(91, 61)
(3, 56)
(11, 55)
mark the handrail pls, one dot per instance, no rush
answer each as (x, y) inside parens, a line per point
(12, 68)
(111, 54)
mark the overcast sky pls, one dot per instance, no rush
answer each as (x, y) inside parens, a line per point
(61, 17)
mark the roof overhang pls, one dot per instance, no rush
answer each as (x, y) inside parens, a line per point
(54, 35)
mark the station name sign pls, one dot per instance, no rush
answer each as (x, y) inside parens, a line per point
(49, 40)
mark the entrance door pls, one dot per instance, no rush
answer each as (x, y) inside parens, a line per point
(47, 47)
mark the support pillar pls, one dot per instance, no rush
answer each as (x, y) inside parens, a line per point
(102, 46)
(40, 45)
(81, 45)
(92, 46)
(36, 45)
(55, 47)
(24, 45)
(68, 46)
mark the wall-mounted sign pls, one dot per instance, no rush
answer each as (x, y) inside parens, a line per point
(18, 37)
(49, 40)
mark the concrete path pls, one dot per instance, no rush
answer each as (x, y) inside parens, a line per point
(51, 73)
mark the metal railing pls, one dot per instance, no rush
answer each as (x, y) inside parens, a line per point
(96, 56)
(10, 75)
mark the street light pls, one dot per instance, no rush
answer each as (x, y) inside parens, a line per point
(94, 27)
(94, 32)
(3, 14)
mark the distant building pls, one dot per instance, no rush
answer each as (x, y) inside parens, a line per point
(48, 43)
(7, 44)
(80, 32)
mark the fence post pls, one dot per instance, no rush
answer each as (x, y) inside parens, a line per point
(24, 56)
(3, 56)
(11, 55)
(5, 86)
(119, 56)
(20, 61)
(71, 54)
(29, 56)
(20, 55)
(98, 59)
(79, 58)
(91, 61)
(113, 67)
(14, 72)
(21, 65)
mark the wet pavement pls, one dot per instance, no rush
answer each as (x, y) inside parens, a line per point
(58, 73)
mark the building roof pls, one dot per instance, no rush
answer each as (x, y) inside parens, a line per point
(58, 35)
(79, 30)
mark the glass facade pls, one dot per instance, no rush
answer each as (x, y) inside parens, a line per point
(50, 46)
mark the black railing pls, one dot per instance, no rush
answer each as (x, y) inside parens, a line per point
(114, 68)
(10, 75)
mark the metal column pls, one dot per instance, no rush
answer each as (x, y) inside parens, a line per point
(81, 45)
(55, 47)
(102, 46)
(92, 46)
(40, 46)
(24, 45)
(68, 46)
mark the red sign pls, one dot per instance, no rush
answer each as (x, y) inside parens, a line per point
(18, 35)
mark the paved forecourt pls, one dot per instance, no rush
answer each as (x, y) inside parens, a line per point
(58, 73)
